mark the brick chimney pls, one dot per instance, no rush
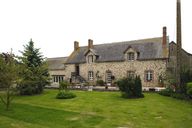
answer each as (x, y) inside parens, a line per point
(76, 45)
(164, 43)
(90, 44)
(179, 45)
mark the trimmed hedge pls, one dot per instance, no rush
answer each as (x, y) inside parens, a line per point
(65, 95)
(166, 92)
(64, 92)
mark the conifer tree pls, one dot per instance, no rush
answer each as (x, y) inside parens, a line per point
(34, 73)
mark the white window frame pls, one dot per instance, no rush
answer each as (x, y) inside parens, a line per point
(130, 56)
(90, 75)
(149, 75)
(58, 78)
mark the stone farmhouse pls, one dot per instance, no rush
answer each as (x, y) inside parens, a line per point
(148, 58)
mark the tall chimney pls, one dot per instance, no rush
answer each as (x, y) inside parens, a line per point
(179, 46)
(76, 45)
(90, 44)
(164, 36)
(164, 42)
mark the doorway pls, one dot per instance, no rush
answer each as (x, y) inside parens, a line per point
(77, 69)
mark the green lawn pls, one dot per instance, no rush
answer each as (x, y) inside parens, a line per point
(96, 110)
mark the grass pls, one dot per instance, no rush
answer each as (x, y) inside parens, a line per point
(96, 110)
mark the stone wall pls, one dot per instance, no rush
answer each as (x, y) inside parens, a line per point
(119, 70)
(186, 58)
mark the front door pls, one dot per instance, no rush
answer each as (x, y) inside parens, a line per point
(77, 69)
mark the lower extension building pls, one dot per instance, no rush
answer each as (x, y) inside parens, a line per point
(148, 58)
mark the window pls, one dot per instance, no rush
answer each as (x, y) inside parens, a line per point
(130, 73)
(131, 56)
(90, 59)
(58, 78)
(90, 75)
(148, 75)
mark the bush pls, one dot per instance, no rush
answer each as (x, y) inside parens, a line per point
(65, 95)
(179, 96)
(130, 87)
(189, 89)
(64, 92)
(171, 93)
(166, 92)
(100, 82)
(30, 88)
(64, 85)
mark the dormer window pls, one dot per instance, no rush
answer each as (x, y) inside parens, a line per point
(131, 56)
(90, 59)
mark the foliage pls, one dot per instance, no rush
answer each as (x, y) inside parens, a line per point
(130, 87)
(171, 93)
(64, 92)
(100, 82)
(189, 89)
(186, 76)
(170, 80)
(8, 78)
(179, 96)
(63, 86)
(34, 71)
(65, 95)
(166, 92)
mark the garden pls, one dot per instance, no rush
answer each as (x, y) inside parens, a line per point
(96, 110)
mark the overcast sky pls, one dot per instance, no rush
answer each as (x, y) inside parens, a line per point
(55, 24)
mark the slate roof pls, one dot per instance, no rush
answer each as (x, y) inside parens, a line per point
(56, 63)
(148, 49)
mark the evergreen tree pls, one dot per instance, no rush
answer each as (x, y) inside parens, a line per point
(34, 73)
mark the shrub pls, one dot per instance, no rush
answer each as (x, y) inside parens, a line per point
(64, 85)
(166, 92)
(100, 82)
(64, 92)
(189, 89)
(65, 95)
(179, 96)
(130, 87)
(29, 87)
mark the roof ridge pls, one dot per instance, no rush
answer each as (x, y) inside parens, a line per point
(57, 58)
(132, 41)
(125, 42)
